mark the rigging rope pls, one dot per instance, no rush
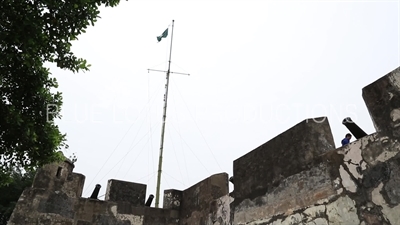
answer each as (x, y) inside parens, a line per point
(136, 158)
(116, 147)
(208, 146)
(122, 158)
(191, 149)
(133, 140)
(176, 156)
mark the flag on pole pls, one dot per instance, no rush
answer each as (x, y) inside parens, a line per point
(163, 35)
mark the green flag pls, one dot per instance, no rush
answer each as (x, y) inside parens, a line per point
(163, 35)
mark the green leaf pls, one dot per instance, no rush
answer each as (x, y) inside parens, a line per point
(37, 32)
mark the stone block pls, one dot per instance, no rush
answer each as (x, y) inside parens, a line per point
(123, 191)
(196, 200)
(172, 199)
(53, 176)
(263, 168)
(382, 98)
(74, 185)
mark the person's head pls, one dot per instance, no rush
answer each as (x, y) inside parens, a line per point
(348, 136)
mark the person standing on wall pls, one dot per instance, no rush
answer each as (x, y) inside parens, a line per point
(346, 139)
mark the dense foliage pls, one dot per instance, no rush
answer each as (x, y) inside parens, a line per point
(19, 181)
(33, 32)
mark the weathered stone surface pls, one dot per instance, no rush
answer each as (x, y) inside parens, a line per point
(372, 215)
(391, 213)
(295, 192)
(172, 199)
(318, 221)
(123, 191)
(196, 200)
(347, 181)
(366, 185)
(154, 216)
(220, 212)
(263, 168)
(382, 98)
(59, 203)
(73, 187)
(89, 208)
(314, 212)
(339, 212)
(53, 176)
(365, 170)
(391, 189)
(342, 211)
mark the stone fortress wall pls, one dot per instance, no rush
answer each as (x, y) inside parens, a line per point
(298, 177)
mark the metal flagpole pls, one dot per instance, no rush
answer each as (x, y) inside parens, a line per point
(163, 124)
(164, 119)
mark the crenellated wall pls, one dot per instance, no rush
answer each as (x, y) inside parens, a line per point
(350, 185)
(355, 184)
(298, 177)
(55, 198)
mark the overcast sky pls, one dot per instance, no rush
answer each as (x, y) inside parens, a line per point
(256, 69)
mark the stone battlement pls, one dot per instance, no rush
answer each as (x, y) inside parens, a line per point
(263, 168)
(298, 177)
(55, 198)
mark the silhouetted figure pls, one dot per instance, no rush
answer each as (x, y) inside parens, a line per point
(96, 191)
(346, 139)
(149, 200)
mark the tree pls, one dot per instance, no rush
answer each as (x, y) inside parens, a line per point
(33, 32)
(19, 181)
